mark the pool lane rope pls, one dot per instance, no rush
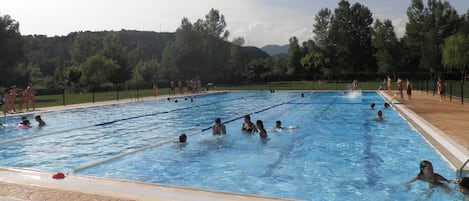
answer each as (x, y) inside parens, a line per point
(84, 167)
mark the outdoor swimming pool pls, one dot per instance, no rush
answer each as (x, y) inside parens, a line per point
(338, 153)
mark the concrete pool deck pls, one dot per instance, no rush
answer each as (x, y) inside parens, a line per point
(443, 124)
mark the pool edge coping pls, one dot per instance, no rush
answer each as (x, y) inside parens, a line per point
(454, 153)
(115, 188)
(451, 151)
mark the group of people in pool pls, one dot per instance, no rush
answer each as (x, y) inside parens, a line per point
(25, 123)
(379, 114)
(434, 179)
(247, 127)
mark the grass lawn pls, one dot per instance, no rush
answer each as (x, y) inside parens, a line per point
(454, 88)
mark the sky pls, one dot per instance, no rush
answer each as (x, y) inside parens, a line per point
(259, 22)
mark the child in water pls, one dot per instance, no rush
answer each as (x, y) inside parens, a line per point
(218, 128)
(463, 186)
(40, 121)
(426, 174)
(25, 122)
(262, 131)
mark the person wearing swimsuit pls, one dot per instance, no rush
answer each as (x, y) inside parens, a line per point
(248, 127)
(218, 128)
(426, 174)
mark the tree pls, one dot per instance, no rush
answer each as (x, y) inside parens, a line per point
(72, 75)
(426, 30)
(11, 51)
(321, 27)
(146, 72)
(96, 70)
(350, 35)
(113, 49)
(214, 25)
(258, 72)
(84, 46)
(456, 53)
(237, 64)
(464, 26)
(294, 57)
(385, 43)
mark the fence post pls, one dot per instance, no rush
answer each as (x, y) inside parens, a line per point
(427, 87)
(92, 91)
(450, 91)
(63, 96)
(462, 92)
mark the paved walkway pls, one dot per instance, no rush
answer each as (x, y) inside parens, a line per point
(451, 117)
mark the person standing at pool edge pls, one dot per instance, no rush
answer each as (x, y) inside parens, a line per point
(389, 83)
(409, 90)
(441, 88)
(399, 88)
(218, 128)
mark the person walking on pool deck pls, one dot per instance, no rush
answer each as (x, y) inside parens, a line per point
(400, 88)
(409, 90)
(426, 174)
(441, 88)
(389, 83)
(248, 127)
(218, 128)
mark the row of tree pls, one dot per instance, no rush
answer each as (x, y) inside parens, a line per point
(98, 60)
(346, 43)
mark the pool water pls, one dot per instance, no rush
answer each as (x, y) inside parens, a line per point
(338, 152)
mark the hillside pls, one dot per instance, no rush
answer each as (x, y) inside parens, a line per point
(274, 50)
(49, 53)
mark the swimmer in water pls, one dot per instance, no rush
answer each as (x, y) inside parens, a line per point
(25, 122)
(426, 174)
(463, 186)
(379, 115)
(39, 120)
(182, 138)
(262, 131)
(248, 127)
(218, 128)
(278, 125)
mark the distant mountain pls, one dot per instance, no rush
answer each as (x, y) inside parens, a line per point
(274, 50)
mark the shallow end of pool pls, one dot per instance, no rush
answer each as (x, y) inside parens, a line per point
(116, 188)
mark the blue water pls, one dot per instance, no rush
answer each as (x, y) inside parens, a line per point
(338, 153)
